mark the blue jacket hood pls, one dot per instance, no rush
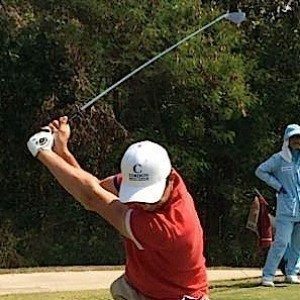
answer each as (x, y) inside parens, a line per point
(292, 129)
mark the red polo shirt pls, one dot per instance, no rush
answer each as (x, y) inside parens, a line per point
(165, 255)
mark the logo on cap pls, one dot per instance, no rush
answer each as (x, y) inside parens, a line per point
(138, 174)
(137, 168)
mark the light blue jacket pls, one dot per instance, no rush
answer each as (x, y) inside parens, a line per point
(282, 169)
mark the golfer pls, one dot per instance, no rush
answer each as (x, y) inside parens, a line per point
(148, 203)
(282, 172)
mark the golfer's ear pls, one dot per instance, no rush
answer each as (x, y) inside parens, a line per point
(169, 187)
(171, 178)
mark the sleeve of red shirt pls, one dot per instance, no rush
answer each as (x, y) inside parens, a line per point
(117, 181)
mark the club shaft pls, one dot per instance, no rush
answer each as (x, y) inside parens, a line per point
(91, 102)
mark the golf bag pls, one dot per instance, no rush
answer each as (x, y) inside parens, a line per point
(261, 220)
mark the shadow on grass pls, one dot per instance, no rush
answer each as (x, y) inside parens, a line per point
(236, 284)
(244, 284)
(247, 289)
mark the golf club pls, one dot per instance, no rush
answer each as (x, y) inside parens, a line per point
(235, 17)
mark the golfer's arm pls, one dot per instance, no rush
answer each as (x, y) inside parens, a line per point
(69, 158)
(85, 188)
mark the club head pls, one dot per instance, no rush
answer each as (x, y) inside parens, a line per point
(286, 8)
(236, 17)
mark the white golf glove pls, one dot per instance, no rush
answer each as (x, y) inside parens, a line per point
(42, 140)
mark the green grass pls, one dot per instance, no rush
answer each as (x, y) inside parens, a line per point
(81, 295)
(223, 290)
(252, 290)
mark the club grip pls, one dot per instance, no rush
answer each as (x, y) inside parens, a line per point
(74, 116)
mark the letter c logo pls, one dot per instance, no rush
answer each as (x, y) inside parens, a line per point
(137, 168)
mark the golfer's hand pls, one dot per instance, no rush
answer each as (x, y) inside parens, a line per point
(61, 131)
(42, 140)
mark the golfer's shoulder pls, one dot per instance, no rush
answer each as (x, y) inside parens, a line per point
(166, 223)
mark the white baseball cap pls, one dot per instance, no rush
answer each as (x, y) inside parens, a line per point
(145, 167)
(292, 129)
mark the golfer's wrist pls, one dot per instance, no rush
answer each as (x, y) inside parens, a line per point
(62, 150)
(42, 155)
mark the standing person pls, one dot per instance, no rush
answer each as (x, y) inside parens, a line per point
(282, 172)
(148, 203)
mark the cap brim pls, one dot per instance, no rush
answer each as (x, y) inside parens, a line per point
(294, 132)
(148, 194)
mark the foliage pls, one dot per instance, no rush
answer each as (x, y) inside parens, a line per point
(219, 103)
(9, 257)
